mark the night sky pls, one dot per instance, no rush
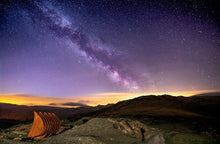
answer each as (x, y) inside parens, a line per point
(81, 47)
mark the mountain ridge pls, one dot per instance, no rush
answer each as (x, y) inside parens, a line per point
(145, 106)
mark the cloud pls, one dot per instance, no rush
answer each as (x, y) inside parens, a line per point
(77, 104)
(73, 104)
(84, 101)
(52, 104)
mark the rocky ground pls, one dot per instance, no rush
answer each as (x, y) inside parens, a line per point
(142, 120)
(95, 131)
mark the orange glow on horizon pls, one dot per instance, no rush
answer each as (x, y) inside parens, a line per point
(93, 100)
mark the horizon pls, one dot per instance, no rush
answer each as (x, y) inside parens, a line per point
(92, 100)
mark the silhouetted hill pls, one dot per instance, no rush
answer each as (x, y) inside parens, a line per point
(164, 106)
(143, 106)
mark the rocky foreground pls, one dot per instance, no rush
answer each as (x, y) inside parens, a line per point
(95, 131)
(146, 120)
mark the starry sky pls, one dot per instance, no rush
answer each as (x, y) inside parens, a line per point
(62, 48)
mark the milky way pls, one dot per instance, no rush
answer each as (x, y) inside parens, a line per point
(51, 19)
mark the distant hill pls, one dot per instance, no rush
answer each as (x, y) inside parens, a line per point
(143, 106)
(164, 106)
(23, 113)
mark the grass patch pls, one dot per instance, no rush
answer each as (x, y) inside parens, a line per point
(82, 121)
(66, 122)
(188, 138)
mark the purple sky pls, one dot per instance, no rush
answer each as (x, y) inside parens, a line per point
(56, 48)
